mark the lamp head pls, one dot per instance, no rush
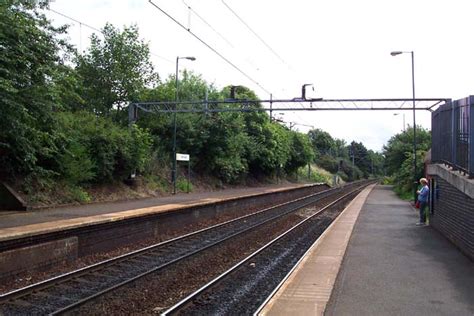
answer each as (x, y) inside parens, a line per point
(396, 53)
(191, 58)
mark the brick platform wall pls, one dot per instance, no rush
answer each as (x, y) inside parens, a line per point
(453, 216)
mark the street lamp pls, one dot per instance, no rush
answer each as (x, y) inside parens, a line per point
(403, 114)
(395, 53)
(173, 171)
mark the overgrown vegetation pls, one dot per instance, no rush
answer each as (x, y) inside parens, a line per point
(399, 159)
(350, 161)
(64, 118)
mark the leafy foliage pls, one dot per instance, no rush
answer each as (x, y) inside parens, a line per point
(322, 142)
(96, 149)
(28, 60)
(399, 145)
(301, 152)
(399, 157)
(351, 162)
(115, 70)
(360, 157)
(64, 122)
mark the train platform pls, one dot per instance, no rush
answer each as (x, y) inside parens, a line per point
(374, 261)
(24, 224)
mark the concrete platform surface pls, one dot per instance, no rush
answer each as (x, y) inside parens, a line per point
(390, 266)
(20, 224)
(307, 290)
(393, 267)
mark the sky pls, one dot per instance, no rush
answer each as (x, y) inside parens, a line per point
(342, 47)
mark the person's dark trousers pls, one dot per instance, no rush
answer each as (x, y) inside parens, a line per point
(423, 206)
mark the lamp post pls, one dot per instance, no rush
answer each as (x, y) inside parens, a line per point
(395, 53)
(403, 114)
(173, 171)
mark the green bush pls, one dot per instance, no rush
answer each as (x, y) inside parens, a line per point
(403, 178)
(301, 152)
(76, 163)
(77, 194)
(387, 180)
(328, 163)
(97, 150)
(182, 185)
(315, 176)
(156, 183)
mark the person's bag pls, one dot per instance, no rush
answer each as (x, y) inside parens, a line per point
(417, 204)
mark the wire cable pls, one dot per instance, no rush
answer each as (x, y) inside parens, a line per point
(260, 38)
(209, 25)
(191, 10)
(254, 33)
(210, 47)
(77, 21)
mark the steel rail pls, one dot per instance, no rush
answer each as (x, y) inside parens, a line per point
(190, 254)
(44, 285)
(287, 276)
(188, 300)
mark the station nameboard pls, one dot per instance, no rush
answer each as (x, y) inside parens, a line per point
(182, 157)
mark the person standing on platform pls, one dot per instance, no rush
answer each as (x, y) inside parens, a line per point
(423, 197)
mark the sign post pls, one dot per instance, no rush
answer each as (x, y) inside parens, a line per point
(185, 157)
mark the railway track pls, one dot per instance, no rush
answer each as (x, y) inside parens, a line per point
(71, 290)
(246, 287)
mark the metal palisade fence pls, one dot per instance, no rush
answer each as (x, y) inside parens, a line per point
(452, 127)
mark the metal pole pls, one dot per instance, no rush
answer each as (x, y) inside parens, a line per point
(173, 171)
(353, 154)
(271, 106)
(471, 137)
(189, 173)
(414, 125)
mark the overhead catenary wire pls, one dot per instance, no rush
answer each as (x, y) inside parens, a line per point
(75, 20)
(219, 34)
(254, 33)
(228, 42)
(168, 60)
(98, 30)
(209, 46)
(208, 24)
(258, 37)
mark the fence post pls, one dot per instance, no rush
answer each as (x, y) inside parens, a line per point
(471, 137)
(454, 134)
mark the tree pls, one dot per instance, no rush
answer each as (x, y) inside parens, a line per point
(377, 163)
(360, 157)
(301, 152)
(322, 141)
(399, 145)
(192, 129)
(29, 60)
(95, 149)
(115, 70)
(341, 149)
(399, 157)
(223, 154)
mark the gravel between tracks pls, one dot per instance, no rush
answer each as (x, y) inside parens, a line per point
(159, 291)
(32, 277)
(245, 289)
